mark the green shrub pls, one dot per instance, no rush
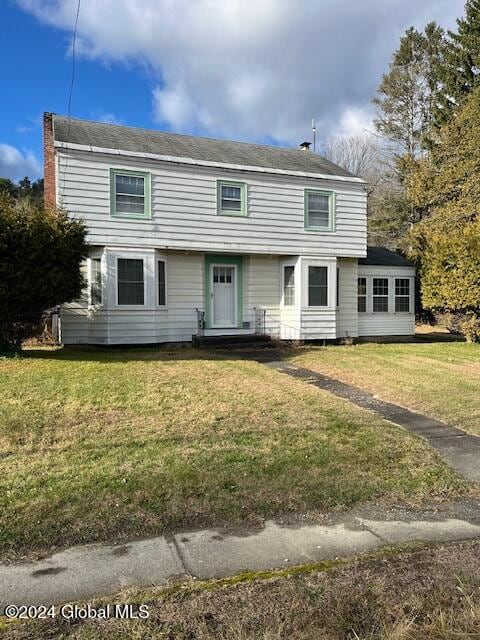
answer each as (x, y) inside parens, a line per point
(40, 255)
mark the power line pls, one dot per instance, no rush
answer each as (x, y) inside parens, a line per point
(70, 93)
(74, 39)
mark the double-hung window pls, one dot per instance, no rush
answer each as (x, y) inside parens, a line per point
(95, 281)
(362, 295)
(162, 284)
(319, 210)
(130, 194)
(288, 286)
(231, 198)
(380, 295)
(317, 286)
(402, 295)
(130, 282)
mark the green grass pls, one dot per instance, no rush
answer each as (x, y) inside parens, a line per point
(110, 445)
(439, 379)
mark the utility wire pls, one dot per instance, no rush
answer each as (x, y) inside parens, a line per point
(70, 93)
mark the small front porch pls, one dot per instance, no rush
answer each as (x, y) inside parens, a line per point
(286, 297)
(227, 301)
(250, 331)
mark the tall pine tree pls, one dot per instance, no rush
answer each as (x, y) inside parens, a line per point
(404, 100)
(457, 70)
(446, 243)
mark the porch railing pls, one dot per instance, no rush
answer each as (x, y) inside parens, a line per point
(200, 322)
(260, 320)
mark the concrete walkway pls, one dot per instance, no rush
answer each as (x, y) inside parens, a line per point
(99, 569)
(459, 449)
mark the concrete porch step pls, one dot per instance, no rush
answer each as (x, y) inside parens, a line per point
(232, 341)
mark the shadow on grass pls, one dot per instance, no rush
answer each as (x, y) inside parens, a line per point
(121, 354)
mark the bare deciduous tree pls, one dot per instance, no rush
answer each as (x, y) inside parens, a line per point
(358, 154)
(364, 156)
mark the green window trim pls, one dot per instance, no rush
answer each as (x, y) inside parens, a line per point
(331, 210)
(243, 194)
(147, 214)
(228, 260)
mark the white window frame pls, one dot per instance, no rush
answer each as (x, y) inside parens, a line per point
(131, 306)
(157, 282)
(331, 265)
(387, 296)
(90, 261)
(410, 288)
(243, 198)
(331, 211)
(147, 194)
(295, 285)
(365, 295)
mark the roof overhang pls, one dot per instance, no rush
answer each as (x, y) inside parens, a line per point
(203, 163)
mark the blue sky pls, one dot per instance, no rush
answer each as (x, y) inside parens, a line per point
(36, 76)
(255, 70)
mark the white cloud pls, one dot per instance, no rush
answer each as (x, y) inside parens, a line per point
(106, 116)
(355, 121)
(251, 69)
(15, 164)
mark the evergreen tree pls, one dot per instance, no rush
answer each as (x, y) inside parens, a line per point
(446, 243)
(404, 103)
(40, 255)
(457, 71)
(24, 189)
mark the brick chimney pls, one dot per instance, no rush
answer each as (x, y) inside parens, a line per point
(49, 186)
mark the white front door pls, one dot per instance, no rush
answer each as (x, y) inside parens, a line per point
(224, 295)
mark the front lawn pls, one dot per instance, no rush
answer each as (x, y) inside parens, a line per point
(99, 445)
(439, 379)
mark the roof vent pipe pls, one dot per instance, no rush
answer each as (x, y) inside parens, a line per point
(305, 146)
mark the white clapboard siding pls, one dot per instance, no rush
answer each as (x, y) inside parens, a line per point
(387, 324)
(184, 209)
(290, 319)
(185, 293)
(261, 290)
(318, 325)
(347, 314)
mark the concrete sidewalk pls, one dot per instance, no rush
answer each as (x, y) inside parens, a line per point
(99, 569)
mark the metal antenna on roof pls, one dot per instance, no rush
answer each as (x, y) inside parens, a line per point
(314, 129)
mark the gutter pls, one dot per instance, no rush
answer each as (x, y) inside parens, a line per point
(202, 163)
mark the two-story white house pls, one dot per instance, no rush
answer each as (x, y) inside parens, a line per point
(190, 235)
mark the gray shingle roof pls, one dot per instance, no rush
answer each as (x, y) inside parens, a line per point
(381, 256)
(111, 136)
